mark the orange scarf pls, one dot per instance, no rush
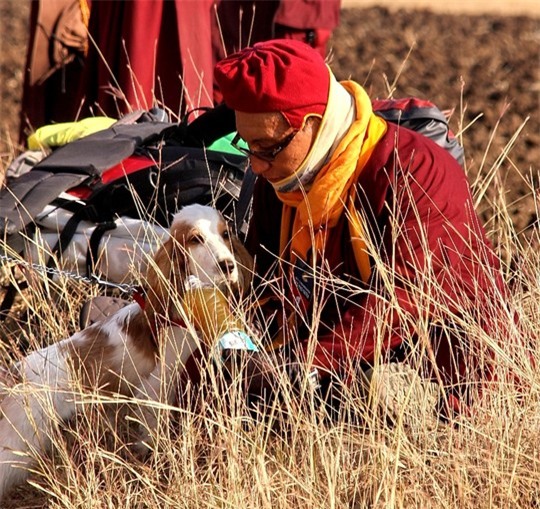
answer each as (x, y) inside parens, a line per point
(319, 209)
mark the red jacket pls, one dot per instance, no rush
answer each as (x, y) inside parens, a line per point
(412, 192)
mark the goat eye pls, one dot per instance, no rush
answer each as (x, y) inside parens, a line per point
(226, 235)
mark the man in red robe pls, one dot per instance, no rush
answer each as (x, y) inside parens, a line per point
(368, 228)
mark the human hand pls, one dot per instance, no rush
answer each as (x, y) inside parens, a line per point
(260, 373)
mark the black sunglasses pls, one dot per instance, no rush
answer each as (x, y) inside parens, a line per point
(267, 154)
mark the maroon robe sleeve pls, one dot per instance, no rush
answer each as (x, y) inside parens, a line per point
(308, 14)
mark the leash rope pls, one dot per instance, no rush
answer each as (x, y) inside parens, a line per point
(93, 279)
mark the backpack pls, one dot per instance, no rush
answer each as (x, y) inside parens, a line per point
(421, 116)
(91, 201)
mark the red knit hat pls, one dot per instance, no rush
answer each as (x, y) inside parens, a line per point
(282, 75)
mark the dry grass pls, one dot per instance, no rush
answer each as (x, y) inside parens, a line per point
(380, 451)
(383, 448)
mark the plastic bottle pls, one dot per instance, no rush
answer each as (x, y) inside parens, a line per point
(210, 312)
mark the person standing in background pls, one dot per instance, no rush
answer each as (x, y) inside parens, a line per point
(109, 57)
(241, 23)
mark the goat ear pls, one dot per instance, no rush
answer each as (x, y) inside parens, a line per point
(245, 264)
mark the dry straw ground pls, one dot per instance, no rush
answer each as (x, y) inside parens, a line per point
(486, 67)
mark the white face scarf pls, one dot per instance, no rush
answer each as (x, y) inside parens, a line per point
(338, 117)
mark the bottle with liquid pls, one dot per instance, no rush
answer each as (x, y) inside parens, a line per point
(209, 310)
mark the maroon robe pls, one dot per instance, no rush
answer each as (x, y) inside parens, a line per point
(154, 52)
(141, 53)
(413, 194)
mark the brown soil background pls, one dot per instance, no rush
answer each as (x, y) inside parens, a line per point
(479, 65)
(504, 7)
